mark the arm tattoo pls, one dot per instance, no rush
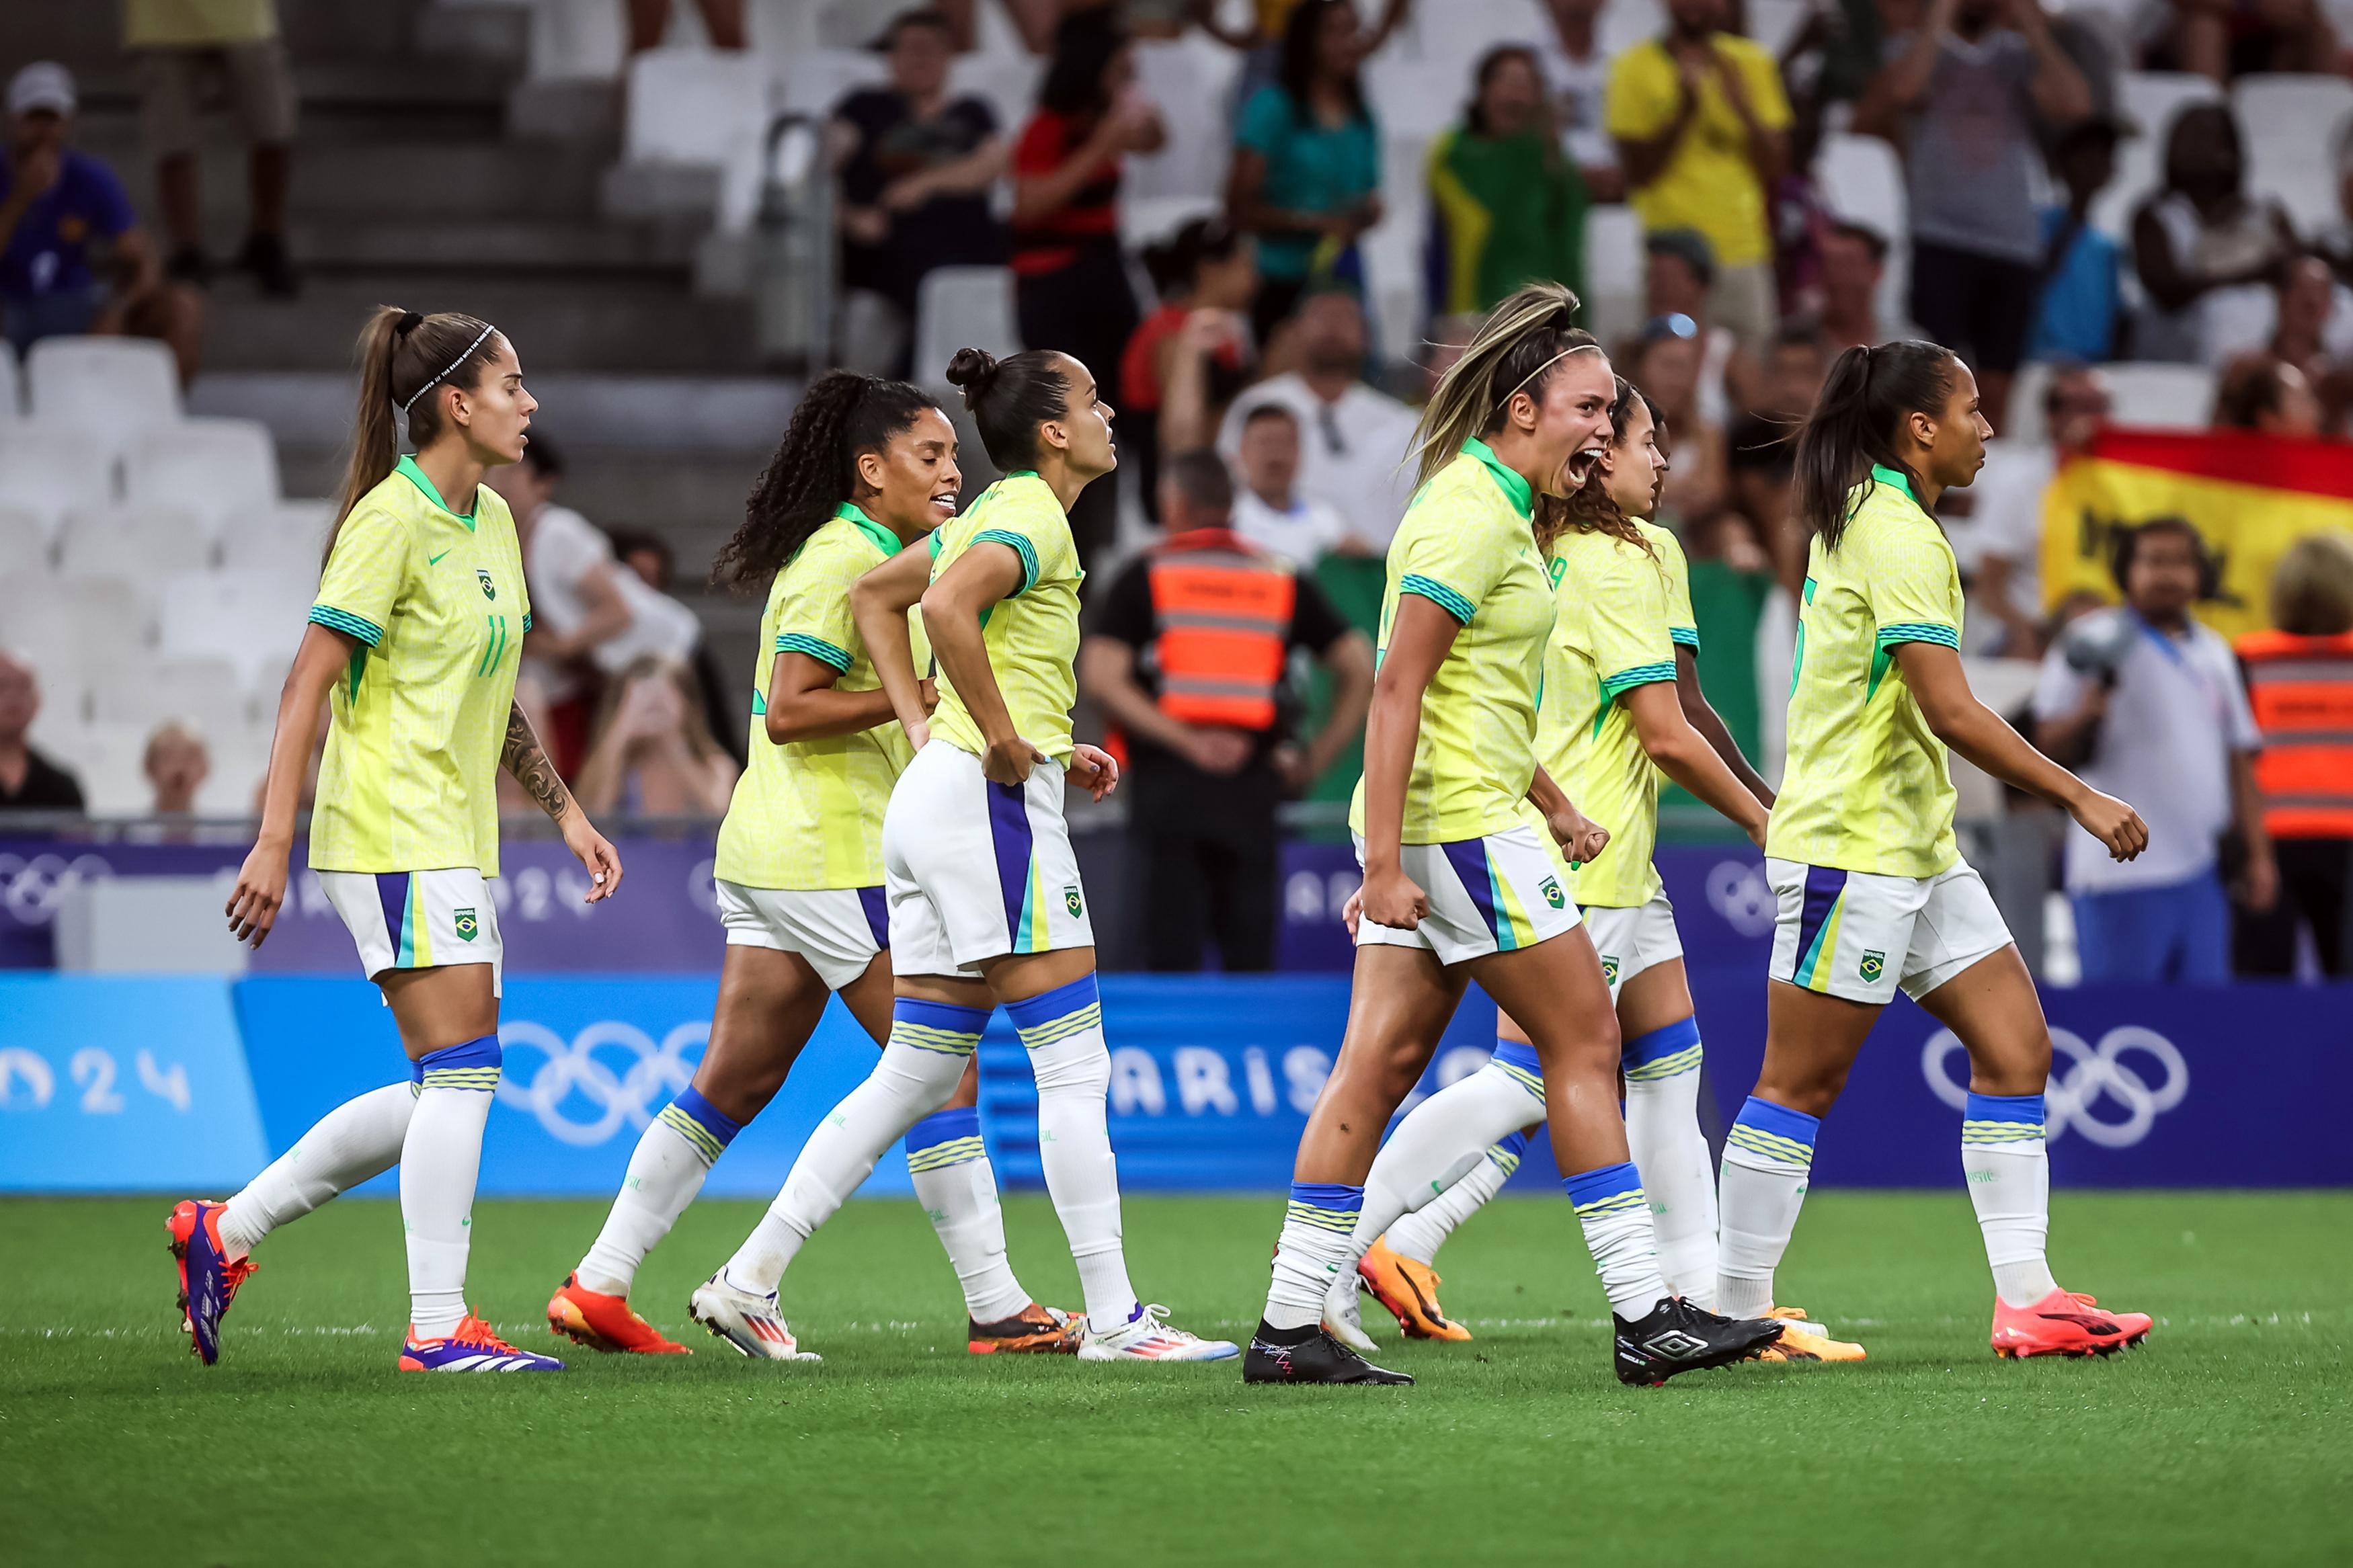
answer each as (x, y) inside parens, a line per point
(529, 765)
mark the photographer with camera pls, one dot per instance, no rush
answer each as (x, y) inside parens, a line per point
(2142, 700)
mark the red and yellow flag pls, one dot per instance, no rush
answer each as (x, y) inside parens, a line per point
(2251, 496)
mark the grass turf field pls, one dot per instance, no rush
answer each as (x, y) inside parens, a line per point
(2228, 1438)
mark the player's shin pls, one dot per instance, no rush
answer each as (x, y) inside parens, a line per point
(2008, 1176)
(666, 1171)
(1662, 1071)
(957, 1188)
(1767, 1160)
(1616, 1215)
(1062, 1029)
(440, 1157)
(359, 1140)
(1420, 1235)
(1317, 1249)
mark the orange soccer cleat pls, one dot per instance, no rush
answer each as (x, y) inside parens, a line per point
(605, 1323)
(1803, 1340)
(1409, 1291)
(1033, 1331)
(193, 1225)
(2064, 1322)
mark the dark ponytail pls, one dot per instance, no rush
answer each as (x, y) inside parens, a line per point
(814, 471)
(1869, 395)
(1009, 398)
(403, 355)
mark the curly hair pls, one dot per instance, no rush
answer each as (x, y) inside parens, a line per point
(814, 471)
(1591, 510)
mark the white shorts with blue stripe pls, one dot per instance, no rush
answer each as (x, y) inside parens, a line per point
(1858, 935)
(1631, 941)
(419, 919)
(837, 931)
(976, 870)
(1497, 894)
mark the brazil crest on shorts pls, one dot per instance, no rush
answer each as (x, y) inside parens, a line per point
(465, 924)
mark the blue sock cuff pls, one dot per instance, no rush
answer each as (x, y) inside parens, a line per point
(417, 1072)
(1328, 1195)
(2026, 1108)
(1517, 1054)
(944, 1126)
(1516, 1145)
(1605, 1186)
(945, 1016)
(1780, 1121)
(707, 1116)
(1034, 1012)
(473, 1064)
(1676, 1038)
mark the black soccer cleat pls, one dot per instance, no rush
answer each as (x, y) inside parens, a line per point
(1310, 1355)
(1679, 1337)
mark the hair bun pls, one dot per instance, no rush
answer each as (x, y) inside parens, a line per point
(409, 321)
(972, 369)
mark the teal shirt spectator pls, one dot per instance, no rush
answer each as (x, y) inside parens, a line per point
(2081, 299)
(1310, 167)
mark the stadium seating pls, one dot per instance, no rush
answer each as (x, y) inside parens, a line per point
(288, 539)
(205, 692)
(112, 389)
(963, 306)
(148, 540)
(50, 471)
(222, 470)
(702, 108)
(2161, 397)
(12, 391)
(1861, 180)
(2292, 125)
(1613, 272)
(2149, 100)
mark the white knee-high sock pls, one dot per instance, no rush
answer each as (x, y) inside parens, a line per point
(439, 1158)
(2004, 1161)
(921, 1064)
(1420, 1234)
(958, 1187)
(1445, 1139)
(1616, 1213)
(1063, 1031)
(358, 1139)
(1767, 1160)
(673, 1155)
(1662, 1133)
(1313, 1252)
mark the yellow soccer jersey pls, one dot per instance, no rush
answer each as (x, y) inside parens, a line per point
(1682, 625)
(809, 813)
(1032, 638)
(1466, 545)
(1866, 788)
(1612, 635)
(436, 599)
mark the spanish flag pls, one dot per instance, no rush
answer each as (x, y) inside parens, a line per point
(2251, 496)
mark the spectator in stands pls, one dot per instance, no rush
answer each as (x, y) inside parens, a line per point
(2300, 680)
(179, 48)
(1261, 40)
(2267, 395)
(648, 558)
(176, 763)
(1854, 261)
(1306, 177)
(1667, 361)
(1269, 510)
(2335, 239)
(2142, 698)
(654, 754)
(1508, 208)
(28, 781)
(58, 206)
(2082, 298)
(2205, 249)
(1354, 438)
(1205, 274)
(1208, 720)
(723, 23)
(1959, 98)
(1701, 127)
(1576, 76)
(1760, 446)
(1999, 543)
(2221, 39)
(2313, 330)
(916, 168)
(1071, 285)
(1678, 281)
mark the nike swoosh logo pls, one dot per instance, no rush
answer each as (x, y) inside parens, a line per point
(436, 560)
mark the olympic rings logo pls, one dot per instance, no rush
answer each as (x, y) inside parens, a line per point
(651, 1076)
(2089, 1077)
(1739, 892)
(30, 889)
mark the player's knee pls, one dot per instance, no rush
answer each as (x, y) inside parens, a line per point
(919, 1078)
(1080, 1065)
(1807, 1087)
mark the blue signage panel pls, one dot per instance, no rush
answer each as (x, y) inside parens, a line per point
(109, 1084)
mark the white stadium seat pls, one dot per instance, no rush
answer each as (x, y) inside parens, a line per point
(960, 308)
(1613, 272)
(2150, 100)
(132, 541)
(12, 388)
(2160, 396)
(50, 472)
(112, 388)
(253, 622)
(1862, 181)
(107, 759)
(2291, 124)
(224, 470)
(240, 759)
(286, 540)
(703, 107)
(206, 692)
(24, 544)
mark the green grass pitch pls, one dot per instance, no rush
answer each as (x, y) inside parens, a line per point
(2228, 1438)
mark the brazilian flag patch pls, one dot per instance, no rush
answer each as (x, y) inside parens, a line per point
(1873, 965)
(490, 589)
(1072, 903)
(465, 924)
(1610, 969)
(1552, 893)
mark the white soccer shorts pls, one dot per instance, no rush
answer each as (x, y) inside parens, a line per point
(976, 870)
(1497, 894)
(419, 919)
(1857, 935)
(1631, 941)
(838, 930)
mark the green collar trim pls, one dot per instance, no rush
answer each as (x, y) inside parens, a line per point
(884, 539)
(407, 470)
(1523, 496)
(1025, 474)
(1894, 478)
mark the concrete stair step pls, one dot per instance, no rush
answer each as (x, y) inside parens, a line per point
(471, 244)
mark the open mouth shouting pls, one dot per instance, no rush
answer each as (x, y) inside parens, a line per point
(1579, 467)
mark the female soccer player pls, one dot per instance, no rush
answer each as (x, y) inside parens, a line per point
(865, 467)
(1459, 884)
(984, 896)
(1613, 716)
(415, 640)
(1873, 890)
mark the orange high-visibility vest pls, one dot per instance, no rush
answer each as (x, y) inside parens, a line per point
(1224, 611)
(2301, 689)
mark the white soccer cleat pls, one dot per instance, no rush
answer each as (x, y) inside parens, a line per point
(751, 1323)
(1344, 1317)
(1147, 1337)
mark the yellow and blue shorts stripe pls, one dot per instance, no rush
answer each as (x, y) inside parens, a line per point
(1818, 927)
(1491, 894)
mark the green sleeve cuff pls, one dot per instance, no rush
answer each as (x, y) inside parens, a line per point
(1438, 593)
(355, 626)
(817, 649)
(1641, 675)
(1919, 631)
(527, 622)
(1019, 546)
(1685, 637)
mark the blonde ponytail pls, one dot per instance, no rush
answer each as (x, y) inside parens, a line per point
(1514, 350)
